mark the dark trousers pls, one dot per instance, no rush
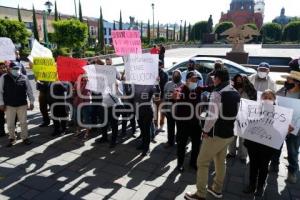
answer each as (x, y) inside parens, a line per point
(113, 123)
(171, 128)
(2, 123)
(97, 113)
(185, 130)
(292, 144)
(259, 162)
(132, 121)
(59, 113)
(144, 123)
(43, 102)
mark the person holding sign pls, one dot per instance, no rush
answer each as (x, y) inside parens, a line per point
(259, 154)
(14, 90)
(291, 89)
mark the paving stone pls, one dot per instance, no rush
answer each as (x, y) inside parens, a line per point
(30, 194)
(146, 192)
(39, 182)
(92, 196)
(15, 191)
(124, 193)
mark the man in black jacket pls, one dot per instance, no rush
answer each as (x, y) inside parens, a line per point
(217, 134)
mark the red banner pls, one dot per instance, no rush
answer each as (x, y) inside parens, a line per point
(69, 69)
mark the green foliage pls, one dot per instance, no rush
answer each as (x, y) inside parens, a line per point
(55, 12)
(101, 33)
(80, 12)
(174, 33)
(180, 33)
(120, 21)
(253, 26)
(148, 32)
(210, 24)
(271, 32)
(35, 26)
(159, 40)
(61, 52)
(19, 14)
(157, 34)
(292, 31)
(189, 32)
(221, 27)
(167, 33)
(184, 32)
(70, 33)
(199, 29)
(14, 30)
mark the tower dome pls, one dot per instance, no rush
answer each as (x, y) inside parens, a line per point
(244, 5)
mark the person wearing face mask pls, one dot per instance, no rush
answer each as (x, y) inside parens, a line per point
(262, 81)
(246, 91)
(14, 90)
(260, 155)
(192, 68)
(188, 126)
(291, 89)
(168, 93)
(3, 70)
(217, 134)
(217, 66)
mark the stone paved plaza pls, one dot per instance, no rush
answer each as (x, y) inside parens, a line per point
(69, 167)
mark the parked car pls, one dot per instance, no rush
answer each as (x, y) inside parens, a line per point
(206, 64)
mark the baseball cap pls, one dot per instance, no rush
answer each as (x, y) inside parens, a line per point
(264, 65)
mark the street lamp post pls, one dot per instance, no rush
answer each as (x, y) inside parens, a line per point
(153, 20)
(48, 8)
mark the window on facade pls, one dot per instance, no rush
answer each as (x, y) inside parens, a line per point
(104, 31)
(109, 31)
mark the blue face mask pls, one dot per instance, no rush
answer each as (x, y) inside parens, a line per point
(15, 72)
(192, 86)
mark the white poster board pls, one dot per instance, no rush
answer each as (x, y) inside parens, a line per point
(263, 123)
(7, 49)
(101, 78)
(39, 50)
(293, 104)
(141, 69)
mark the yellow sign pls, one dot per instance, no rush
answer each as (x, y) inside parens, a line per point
(44, 69)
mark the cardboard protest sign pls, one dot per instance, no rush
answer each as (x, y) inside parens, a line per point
(7, 49)
(141, 69)
(69, 69)
(44, 69)
(101, 78)
(295, 105)
(40, 51)
(126, 42)
(263, 123)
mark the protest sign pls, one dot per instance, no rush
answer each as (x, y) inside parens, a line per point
(263, 123)
(126, 42)
(44, 69)
(141, 69)
(40, 51)
(69, 69)
(295, 105)
(101, 78)
(7, 51)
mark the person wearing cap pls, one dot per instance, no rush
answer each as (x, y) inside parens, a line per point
(291, 89)
(262, 81)
(3, 70)
(169, 101)
(217, 66)
(294, 65)
(14, 90)
(187, 123)
(154, 50)
(191, 68)
(217, 134)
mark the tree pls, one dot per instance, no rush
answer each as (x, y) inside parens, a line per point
(210, 24)
(199, 29)
(70, 33)
(180, 33)
(35, 26)
(148, 31)
(14, 30)
(189, 32)
(157, 34)
(101, 32)
(80, 12)
(174, 32)
(55, 12)
(19, 14)
(141, 27)
(120, 21)
(89, 33)
(167, 32)
(221, 27)
(114, 26)
(292, 31)
(184, 31)
(271, 32)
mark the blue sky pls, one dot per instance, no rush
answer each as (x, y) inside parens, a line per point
(167, 11)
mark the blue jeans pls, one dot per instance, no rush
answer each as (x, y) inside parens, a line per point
(292, 144)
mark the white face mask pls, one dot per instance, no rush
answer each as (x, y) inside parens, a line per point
(262, 74)
(15, 72)
(268, 102)
(192, 86)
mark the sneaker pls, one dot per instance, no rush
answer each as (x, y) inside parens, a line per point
(11, 142)
(191, 196)
(292, 178)
(27, 142)
(214, 193)
(249, 189)
(273, 168)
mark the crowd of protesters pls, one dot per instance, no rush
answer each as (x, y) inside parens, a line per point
(177, 100)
